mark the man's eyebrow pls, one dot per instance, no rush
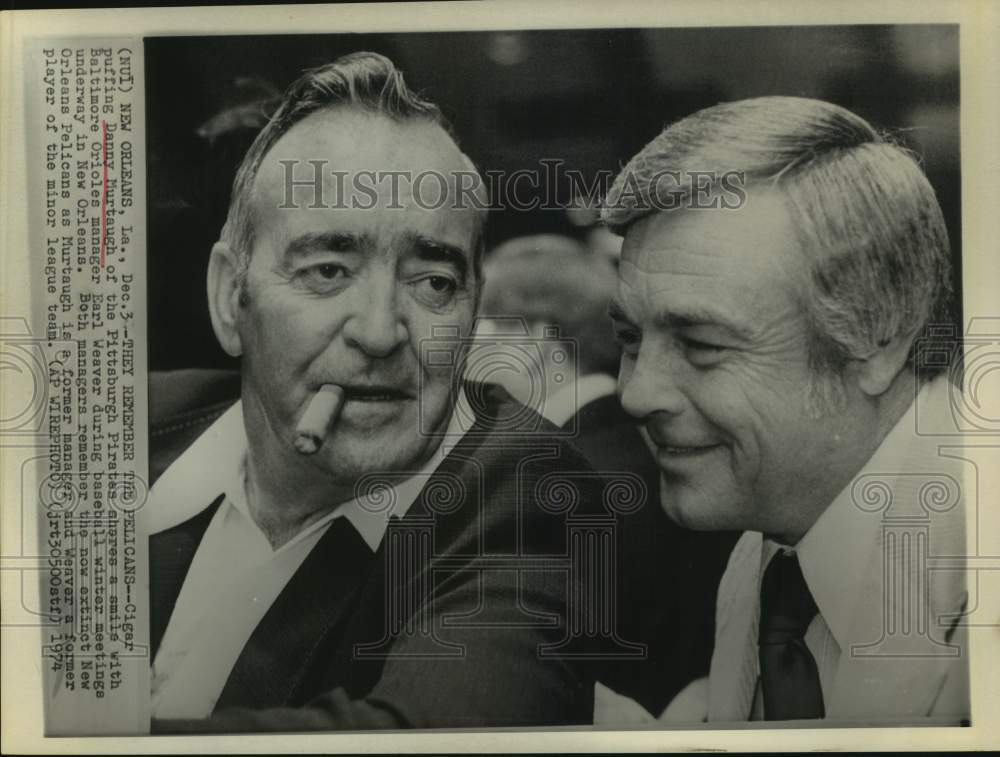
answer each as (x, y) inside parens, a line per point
(616, 311)
(436, 251)
(685, 318)
(700, 316)
(327, 241)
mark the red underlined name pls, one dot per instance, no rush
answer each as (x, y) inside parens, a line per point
(104, 191)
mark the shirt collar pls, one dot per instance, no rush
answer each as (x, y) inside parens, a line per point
(835, 554)
(216, 464)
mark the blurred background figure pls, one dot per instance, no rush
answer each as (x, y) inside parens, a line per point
(551, 292)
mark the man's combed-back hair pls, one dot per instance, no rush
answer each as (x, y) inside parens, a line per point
(879, 261)
(364, 80)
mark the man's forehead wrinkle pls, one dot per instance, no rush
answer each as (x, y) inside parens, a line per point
(628, 268)
(659, 244)
(676, 262)
(328, 241)
(376, 229)
(673, 300)
(679, 303)
(422, 240)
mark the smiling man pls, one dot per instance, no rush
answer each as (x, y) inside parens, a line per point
(369, 578)
(771, 354)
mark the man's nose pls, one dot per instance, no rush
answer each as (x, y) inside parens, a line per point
(377, 326)
(651, 383)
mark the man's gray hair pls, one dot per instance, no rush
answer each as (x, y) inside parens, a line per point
(880, 263)
(364, 80)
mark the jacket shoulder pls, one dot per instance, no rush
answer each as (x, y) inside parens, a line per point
(182, 405)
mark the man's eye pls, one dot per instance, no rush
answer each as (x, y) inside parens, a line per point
(329, 271)
(628, 339)
(323, 277)
(435, 291)
(441, 284)
(702, 351)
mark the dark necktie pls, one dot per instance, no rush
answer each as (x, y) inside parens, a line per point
(789, 678)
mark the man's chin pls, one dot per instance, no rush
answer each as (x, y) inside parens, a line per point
(676, 514)
(693, 509)
(350, 460)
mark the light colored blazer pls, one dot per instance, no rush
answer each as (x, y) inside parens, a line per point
(894, 589)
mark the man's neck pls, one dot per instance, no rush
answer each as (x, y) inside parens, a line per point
(886, 412)
(895, 402)
(282, 517)
(281, 512)
(282, 505)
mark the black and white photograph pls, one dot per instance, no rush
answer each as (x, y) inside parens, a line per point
(502, 378)
(378, 447)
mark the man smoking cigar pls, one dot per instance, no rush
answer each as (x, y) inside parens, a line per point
(281, 600)
(319, 415)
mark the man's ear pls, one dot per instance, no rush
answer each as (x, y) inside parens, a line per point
(224, 297)
(876, 372)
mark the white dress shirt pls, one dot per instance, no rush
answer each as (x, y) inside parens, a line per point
(235, 575)
(841, 557)
(820, 638)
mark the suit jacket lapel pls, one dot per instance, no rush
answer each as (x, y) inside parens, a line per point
(171, 553)
(733, 673)
(279, 652)
(896, 676)
(897, 671)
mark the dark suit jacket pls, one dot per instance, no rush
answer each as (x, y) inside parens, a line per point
(668, 576)
(446, 625)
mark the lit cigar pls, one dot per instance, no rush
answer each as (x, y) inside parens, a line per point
(319, 415)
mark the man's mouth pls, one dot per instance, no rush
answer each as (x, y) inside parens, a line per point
(686, 450)
(672, 447)
(376, 393)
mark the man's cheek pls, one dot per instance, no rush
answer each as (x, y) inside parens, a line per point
(433, 393)
(434, 387)
(296, 330)
(440, 344)
(720, 397)
(736, 416)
